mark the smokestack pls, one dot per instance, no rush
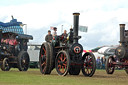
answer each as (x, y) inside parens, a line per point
(12, 17)
(75, 27)
(122, 29)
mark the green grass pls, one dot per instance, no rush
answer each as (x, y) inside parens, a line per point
(34, 77)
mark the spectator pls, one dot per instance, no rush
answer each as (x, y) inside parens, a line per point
(48, 37)
(103, 61)
(98, 63)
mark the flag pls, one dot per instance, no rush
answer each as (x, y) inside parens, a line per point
(51, 28)
(83, 28)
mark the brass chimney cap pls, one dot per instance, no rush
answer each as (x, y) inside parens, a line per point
(122, 25)
(77, 14)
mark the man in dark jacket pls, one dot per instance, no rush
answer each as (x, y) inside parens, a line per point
(48, 37)
(65, 34)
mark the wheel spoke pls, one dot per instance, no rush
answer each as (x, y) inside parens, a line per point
(44, 51)
(64, 64)
(87, 71)
(64, 58)
(89, 66)
(42, 55)
(59, 67)
(44, 63)
(90, 70)
(62, 69)
(58, 61)
(44, 68)
(90, 60)
(61, 57)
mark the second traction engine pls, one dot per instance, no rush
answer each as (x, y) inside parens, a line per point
(120, 59)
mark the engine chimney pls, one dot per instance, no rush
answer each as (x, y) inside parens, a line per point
(75, 27)
(12, 17)
(122, 30)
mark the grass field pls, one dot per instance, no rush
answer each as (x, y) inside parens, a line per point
(34, 77)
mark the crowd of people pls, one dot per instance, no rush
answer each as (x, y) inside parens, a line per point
(100, 62)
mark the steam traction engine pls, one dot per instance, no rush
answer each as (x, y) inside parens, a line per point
(65, 54)
(13, 46)
(120, 59)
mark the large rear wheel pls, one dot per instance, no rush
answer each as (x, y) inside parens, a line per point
(23, 61)
(52, 57)
(109, 67)
(89, 65)
(5, 65)
(44, 59)
(62, 63)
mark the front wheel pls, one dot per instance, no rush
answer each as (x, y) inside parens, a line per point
(23, 61)
(5, 65)
(89, 65)
(109, 67)
(62, 63)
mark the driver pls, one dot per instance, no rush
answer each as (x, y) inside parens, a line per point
(65, 34)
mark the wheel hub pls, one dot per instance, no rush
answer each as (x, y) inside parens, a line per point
(24, 61)
(61, 63)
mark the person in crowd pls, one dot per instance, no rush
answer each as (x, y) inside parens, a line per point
(103, 61)
(98, 63)
(48, 37)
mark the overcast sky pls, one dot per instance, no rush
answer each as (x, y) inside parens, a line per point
(101, 16)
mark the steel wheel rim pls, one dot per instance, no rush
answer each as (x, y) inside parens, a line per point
(88, 64)
(43, 58)
(110, 67)
(62, 63)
